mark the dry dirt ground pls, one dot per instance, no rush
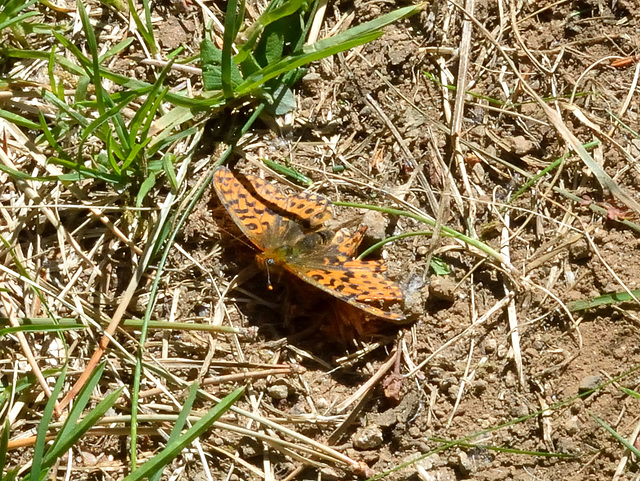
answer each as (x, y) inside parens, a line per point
(373, 126)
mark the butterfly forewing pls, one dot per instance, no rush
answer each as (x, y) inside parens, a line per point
(273, 220)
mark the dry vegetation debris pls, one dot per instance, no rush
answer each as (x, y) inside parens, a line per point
(500, 141)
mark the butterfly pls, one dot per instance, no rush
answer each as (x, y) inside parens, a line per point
(287, 230)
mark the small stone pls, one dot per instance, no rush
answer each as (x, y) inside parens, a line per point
(580, 250)
(278, 391)
(490, 345)
(572, 425)
(385, 420)
(566, 446)
(510, 379)
(620, 353)
(249, 447)
(520, 145)
(466, 465)
(376, 225)
(369, 437)
(480, 386)
(442, 288)
(588, 383)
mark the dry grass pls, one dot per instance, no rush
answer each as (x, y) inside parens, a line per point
(492, 154)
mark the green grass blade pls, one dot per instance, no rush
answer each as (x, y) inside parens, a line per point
(604, 300)
(145, 188)
(546, 170)
(615, 434)
(37, 464)
(231, 21)
(168, 160)
(145, 30)
(50, 328)
(49, 137)
(293, 174)
(180, 422)
(447, 231)
(4, 444)
(630, 392)
(93, 49)
(115, 49)
(156, 463)
(81, 401)
(149, 107)
(62, 445)
(18, 120)
(18, 19)
(71, 112)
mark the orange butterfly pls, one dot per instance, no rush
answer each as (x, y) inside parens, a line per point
(287, 229)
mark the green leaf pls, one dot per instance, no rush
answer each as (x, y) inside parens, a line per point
(146, 186)
(212, 67)
(269, 16)
(167, 165)
(353, 37)
(439, 267)
(282, 101)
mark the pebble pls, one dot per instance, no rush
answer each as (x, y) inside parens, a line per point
(442, 288)
(278, 391)
(376, 225)
(588, 383)
(572, 425)
(385, 420)
(249, 447)
(369, 437)
(467, 466)
(490, 346)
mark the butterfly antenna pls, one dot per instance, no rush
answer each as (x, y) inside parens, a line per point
(266, 265)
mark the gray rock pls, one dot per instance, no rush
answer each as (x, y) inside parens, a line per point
(588, 383)
(369, 437)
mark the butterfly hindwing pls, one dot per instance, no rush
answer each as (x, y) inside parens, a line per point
(287, 229)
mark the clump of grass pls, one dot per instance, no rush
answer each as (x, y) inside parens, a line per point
(99, 134)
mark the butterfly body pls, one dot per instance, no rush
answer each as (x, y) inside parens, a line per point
(288, 232)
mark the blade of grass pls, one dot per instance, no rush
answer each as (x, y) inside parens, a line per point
(180, 422)
(41, 436)
(160, 460)
(75, 432)
(445, 231)
(93, 49)
(146, 31)
(604, 300)
(4, 442)
(231, 24)
(615, 434)
(353, 37)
